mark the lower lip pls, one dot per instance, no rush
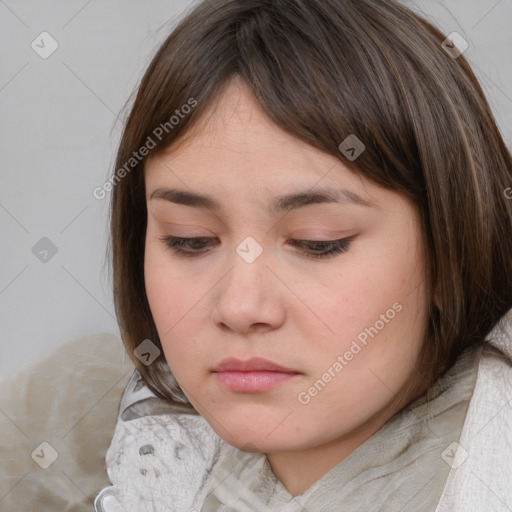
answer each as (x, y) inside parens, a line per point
(253, 382)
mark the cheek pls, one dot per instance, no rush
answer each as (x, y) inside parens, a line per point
(374, 316)
(162, 294)
(353, 300)
(159, 294)
(175, 307)
(167, 290)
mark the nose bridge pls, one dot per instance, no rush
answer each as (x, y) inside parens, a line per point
(246, 295)
(248, 268)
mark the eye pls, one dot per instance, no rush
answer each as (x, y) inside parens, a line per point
(321, 248)
(193, 247)
(177, 244)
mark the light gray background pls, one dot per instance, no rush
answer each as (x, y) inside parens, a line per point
(60, 129)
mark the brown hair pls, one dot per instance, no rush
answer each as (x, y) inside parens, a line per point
(323, 70)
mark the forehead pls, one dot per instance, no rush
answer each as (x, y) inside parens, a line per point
(236, 151)
(235, 130)
(236, 124)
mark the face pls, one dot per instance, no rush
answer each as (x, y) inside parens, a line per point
(332, 291)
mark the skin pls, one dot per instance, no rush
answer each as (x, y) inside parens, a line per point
(298, 311)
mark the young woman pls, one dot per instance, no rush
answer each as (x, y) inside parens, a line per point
(312, 268)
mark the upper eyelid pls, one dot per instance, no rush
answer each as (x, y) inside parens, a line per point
(206, 239)
(299, 239)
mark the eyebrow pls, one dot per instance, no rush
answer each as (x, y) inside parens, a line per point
(280, 204)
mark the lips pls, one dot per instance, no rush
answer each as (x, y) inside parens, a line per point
(255, 375)
(231, 364)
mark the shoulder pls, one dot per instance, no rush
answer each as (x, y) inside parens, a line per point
(490, 412)
(480, 476)
(493, 387)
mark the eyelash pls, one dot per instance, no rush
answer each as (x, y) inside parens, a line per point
(336, 247)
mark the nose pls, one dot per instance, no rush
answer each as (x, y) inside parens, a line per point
(249, 297)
